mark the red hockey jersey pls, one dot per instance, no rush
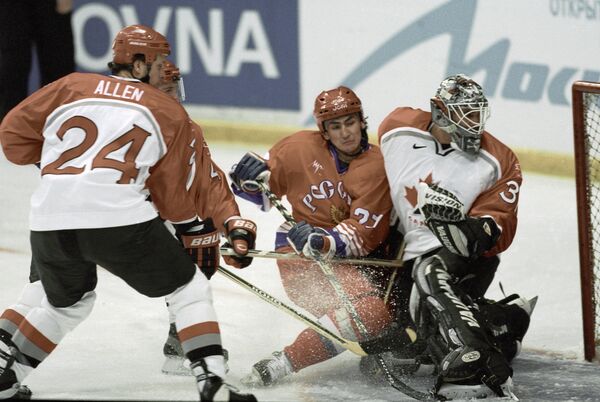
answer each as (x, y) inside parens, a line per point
(355, 204)
(214, 199)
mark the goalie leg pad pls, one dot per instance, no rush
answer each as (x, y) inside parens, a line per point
(507, 322)
(438, 298)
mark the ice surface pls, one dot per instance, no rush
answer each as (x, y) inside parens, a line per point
(117, 352)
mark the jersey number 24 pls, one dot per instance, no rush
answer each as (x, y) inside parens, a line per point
(136, 136)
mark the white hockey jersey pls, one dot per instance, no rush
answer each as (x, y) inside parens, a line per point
(488, 184)
(104, 144)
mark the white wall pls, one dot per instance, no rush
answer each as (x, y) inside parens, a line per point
(554, 41)
(526, 54)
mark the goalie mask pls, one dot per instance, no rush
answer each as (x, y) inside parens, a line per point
(171, 81)
(460, 108)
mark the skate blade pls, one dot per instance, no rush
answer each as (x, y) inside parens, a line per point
(15, 392)
(176, 366)
(9, 393)
(462, 392)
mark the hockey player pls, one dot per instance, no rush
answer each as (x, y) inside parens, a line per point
(213, 198)
(214, 195)
(104, 144)
(456, 189)
(335, 182)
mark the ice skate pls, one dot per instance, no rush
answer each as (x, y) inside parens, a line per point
(451, 391)
(175, 361)
(268, 371)
(9, 385)
(471, 373)
(214, 388)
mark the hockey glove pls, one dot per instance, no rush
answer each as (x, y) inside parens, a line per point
(439, 204)
(201, 241)
(249, 169)
(444, 216)
(313, 242)
(241, 236)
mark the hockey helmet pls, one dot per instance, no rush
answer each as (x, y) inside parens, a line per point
(334, 103)
(170, 75)
(139, 39)
(460, 108)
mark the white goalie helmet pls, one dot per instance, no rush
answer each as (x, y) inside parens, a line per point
(460, 108)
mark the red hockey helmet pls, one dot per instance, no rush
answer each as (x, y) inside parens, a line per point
(139, 39)
(334, 103)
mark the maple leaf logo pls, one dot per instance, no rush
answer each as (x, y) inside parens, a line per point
(411, 192)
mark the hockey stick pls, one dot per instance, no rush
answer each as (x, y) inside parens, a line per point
(293, 256)
(330, 275)
(352, 346)
(388, 289)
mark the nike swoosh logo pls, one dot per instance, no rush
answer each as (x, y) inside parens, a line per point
(415, 146)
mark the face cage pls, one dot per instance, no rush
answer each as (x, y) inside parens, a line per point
(465, 132)
(463, 112)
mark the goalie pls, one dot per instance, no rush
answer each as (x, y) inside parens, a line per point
(456, 190)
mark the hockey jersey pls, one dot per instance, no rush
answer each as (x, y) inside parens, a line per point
(353, 204)
(488, 183)
(103, 144)
(213, 197)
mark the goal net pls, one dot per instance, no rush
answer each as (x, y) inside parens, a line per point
(586, 126)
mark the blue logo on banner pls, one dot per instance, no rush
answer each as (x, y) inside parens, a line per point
(234, 53)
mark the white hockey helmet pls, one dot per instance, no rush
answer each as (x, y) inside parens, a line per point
(460, 108)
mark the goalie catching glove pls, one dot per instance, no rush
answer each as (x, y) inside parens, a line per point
(250, 169)
(313, 242)
(241, 236)
(444, 215)
(201, 241)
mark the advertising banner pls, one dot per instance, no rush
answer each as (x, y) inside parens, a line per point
(232, 53)
(264, 61)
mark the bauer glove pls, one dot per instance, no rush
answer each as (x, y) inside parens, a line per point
(241, 236)
(201, 241)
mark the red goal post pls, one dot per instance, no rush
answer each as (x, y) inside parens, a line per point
(586, 131)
